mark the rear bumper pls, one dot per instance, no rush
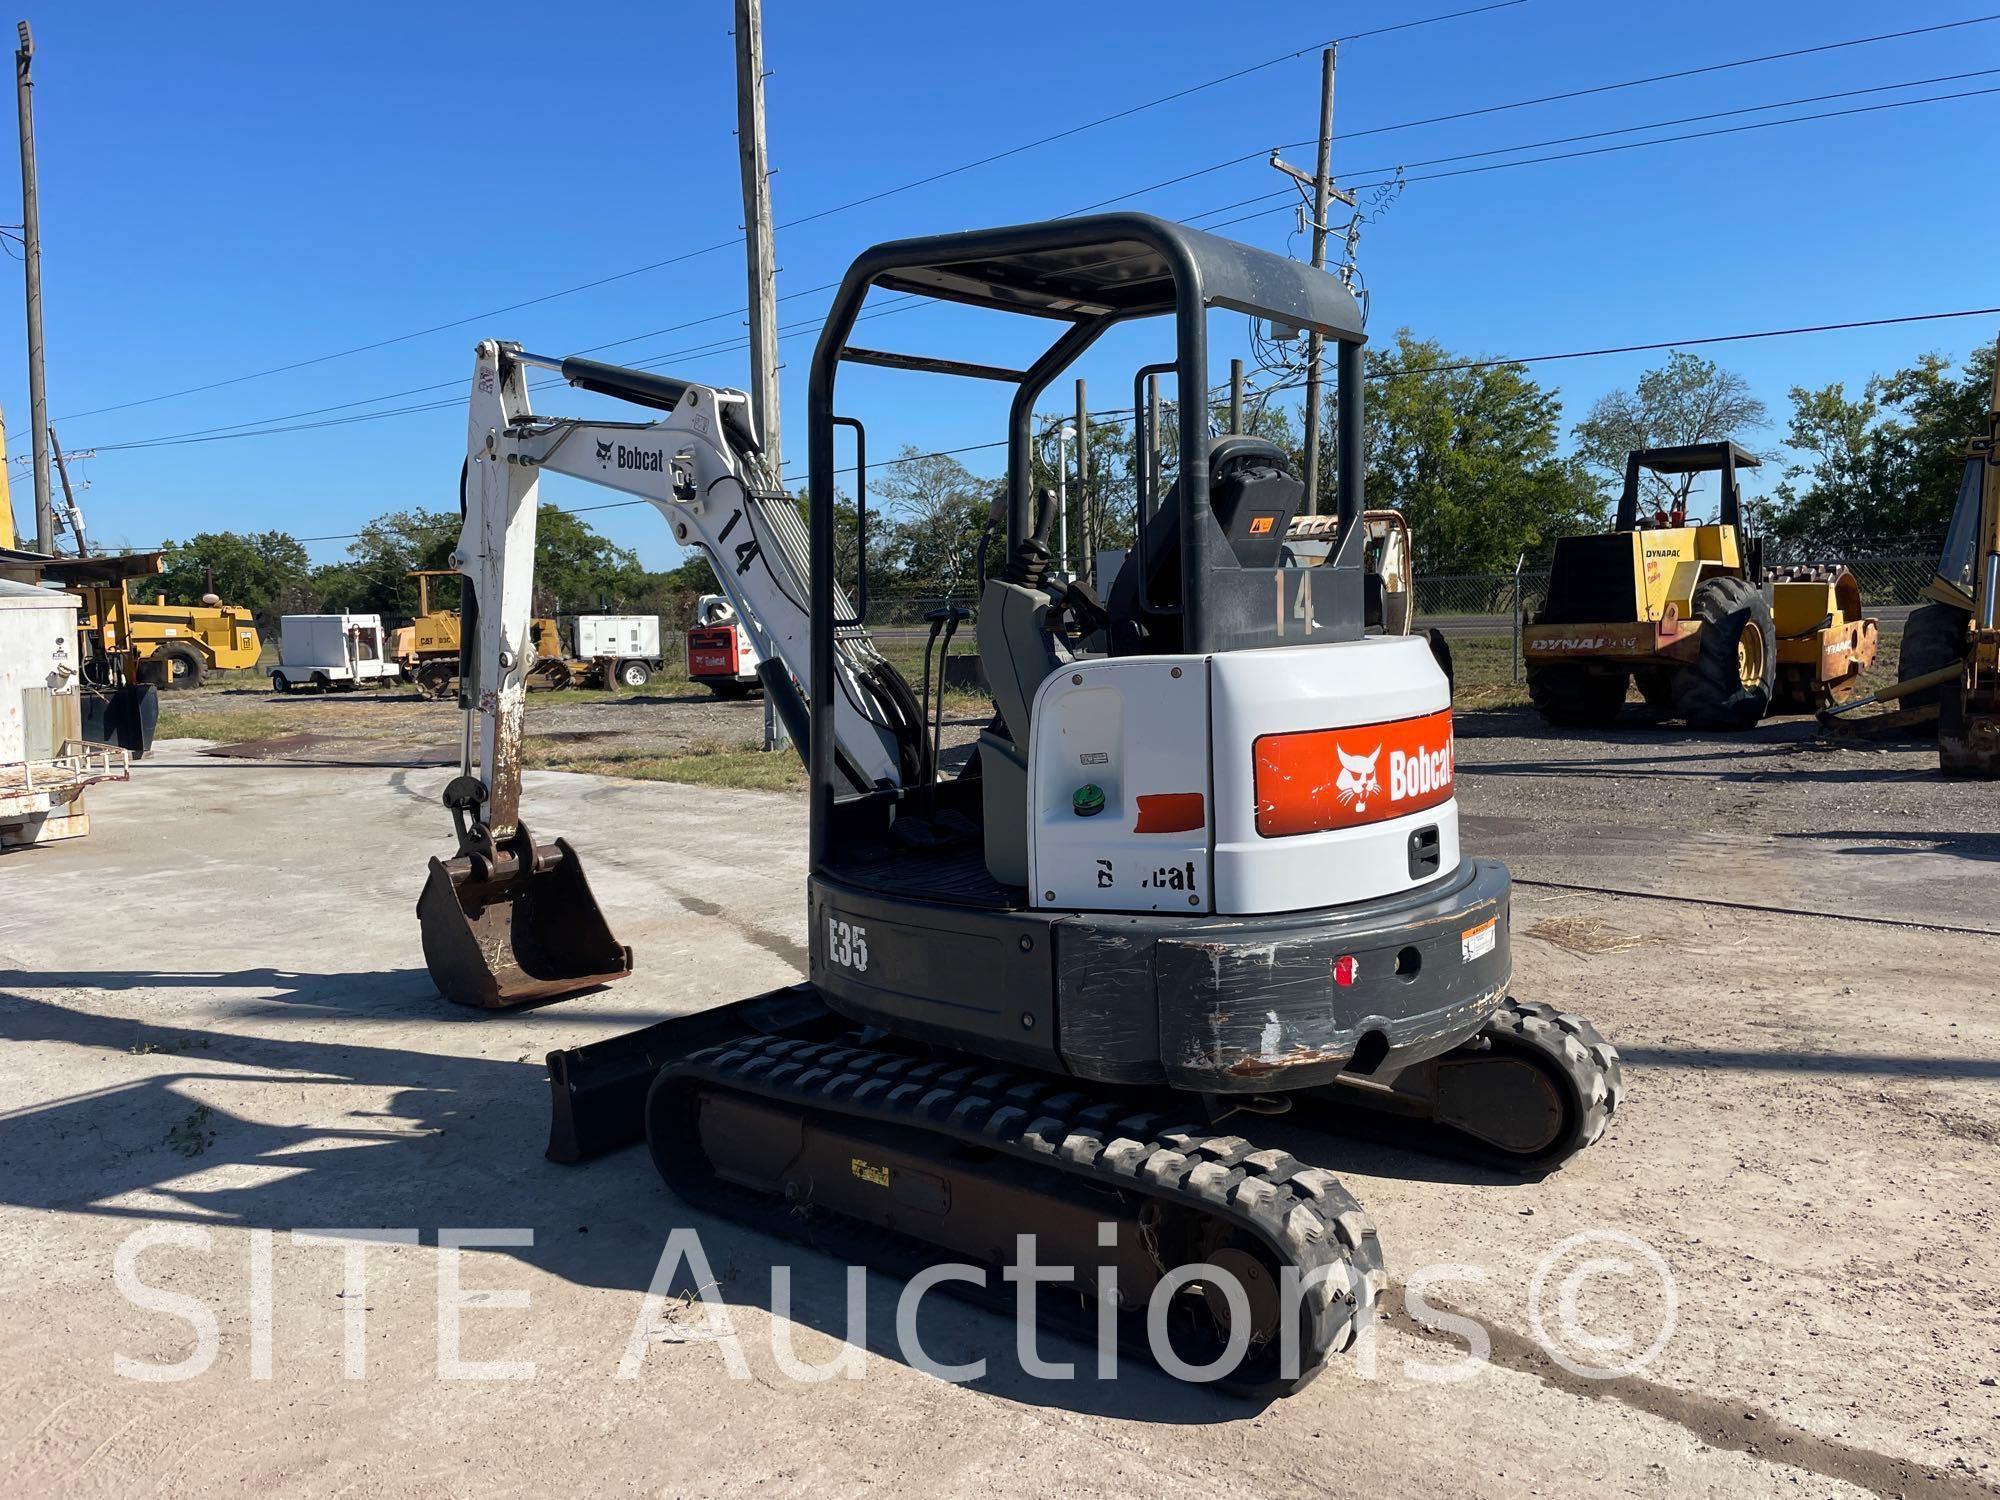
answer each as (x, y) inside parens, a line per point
(1252, 1004)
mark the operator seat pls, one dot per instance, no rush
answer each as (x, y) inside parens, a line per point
(1253, 491)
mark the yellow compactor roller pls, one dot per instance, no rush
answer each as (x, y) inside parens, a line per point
(1689, 614)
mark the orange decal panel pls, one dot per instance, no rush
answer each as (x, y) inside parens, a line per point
(1318, 779)
(1171, 812)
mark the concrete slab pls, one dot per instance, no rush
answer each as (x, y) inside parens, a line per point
(221, 1030)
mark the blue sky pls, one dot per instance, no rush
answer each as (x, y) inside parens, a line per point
(234, 187)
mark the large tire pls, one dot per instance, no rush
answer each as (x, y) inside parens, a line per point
(322, 683)
(435, 678)
(1730, 682)
(1656, 686)
(1441, 654)
(186, 666)
(1571, 696)
(1933, 638)
(634, 674)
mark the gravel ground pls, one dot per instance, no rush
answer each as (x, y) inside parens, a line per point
(1779, 778)
(252, 1048)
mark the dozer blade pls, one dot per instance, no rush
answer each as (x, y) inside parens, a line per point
(524, 933)
(598, 1091)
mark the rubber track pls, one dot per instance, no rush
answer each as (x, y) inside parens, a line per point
(1302, 1214)
(1579, 1053)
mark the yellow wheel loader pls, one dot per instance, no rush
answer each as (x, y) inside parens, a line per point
(1688, 614)
(1950, 662)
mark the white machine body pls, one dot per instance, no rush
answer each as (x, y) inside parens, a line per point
(1242, 783)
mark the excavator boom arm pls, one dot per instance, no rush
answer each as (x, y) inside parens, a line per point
(697, 470)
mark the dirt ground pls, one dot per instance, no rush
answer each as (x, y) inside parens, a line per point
(221, 1024)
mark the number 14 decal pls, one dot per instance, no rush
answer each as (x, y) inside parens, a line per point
(847, 944)
(1302, 601)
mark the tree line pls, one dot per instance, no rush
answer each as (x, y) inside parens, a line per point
(1470, 451)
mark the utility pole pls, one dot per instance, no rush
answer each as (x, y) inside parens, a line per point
(758, 252)
(75, 516)
(31, 253)
(760, 260)
(1236, 395)
(1324, 194)
(1083, 506)
(1152, 499)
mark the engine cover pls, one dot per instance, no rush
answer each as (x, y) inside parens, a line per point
(1243, 783)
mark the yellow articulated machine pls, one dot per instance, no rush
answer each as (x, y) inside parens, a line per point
(189, 641)
(1950, 665)
(428, 646)
(1689, 614)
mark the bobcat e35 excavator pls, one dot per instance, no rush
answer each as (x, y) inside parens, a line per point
(1191, 882)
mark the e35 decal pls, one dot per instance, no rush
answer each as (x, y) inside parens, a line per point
(847, 944)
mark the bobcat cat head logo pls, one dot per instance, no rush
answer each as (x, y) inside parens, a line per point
(1357, 780)
(604, 453)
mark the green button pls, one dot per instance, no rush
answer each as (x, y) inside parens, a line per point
(1088, 800)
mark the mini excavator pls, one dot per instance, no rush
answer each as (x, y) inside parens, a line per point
(1202, 875)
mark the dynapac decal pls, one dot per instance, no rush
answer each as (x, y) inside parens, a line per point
(1315, 779)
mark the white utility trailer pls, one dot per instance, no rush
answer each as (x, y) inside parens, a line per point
(621, 649)
(332, 651)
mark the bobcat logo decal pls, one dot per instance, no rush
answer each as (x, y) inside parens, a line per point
(603, 453)
(1357, 780)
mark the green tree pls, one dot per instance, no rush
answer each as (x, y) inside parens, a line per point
(577, 570)
(1885, 463)
(1469, 457)
(266, 572)
(1687, 400)
(374, 578)
(1103, 514)
(928, 520)
(694, 574)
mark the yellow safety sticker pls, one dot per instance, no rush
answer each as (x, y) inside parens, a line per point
(1477, 942)
(869, 1173)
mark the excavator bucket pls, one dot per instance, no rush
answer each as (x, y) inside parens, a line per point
(515, 931)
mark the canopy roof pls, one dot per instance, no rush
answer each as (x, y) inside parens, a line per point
(1128, 265)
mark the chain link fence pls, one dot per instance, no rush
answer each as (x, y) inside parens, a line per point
(1493, 605)
(1487, 607)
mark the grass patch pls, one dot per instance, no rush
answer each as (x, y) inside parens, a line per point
(229, 726)
(742, 767)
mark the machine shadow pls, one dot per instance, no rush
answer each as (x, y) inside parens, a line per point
(1975, 846)
(1760, 1060)
(212, 1140)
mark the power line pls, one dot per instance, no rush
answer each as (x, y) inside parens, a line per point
(1125, 413)
(295, 424)
(296, 421)
(837, 208)
(1604, 88)
(266, 423)
(1665, 140)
